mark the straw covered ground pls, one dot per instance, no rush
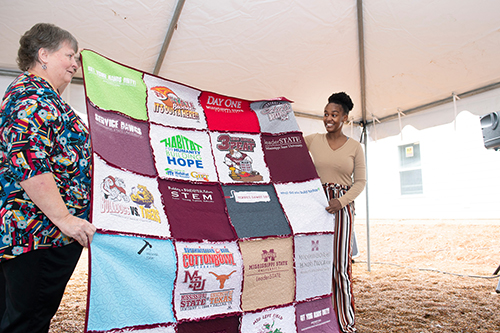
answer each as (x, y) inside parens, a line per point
(424, 278)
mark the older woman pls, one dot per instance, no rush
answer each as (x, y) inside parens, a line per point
(340, 163)
(44, 182)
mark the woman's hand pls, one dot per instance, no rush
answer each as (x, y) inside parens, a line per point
(76, 228)
(334, 206)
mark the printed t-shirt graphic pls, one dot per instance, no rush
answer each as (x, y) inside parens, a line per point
(120, 140)
(228, 113)
(112, 86)
(317, 316)
(196, 211)
(123, 265)
(283, 153)
(239, 158)
(269, 279)
(208, 279)
(182, 154)
(173, 104)
(313, 265)
(127, 202)
(255, 211)
(275, 116)
(304, 204)
(270, 321)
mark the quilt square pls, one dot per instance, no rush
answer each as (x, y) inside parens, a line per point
(209, 279)
(239, 158)
(112, 86)
(228, 324)
(182, 154)
(270, 321)
(269, 278)
(255, 211)
(317, 316)
(127, 202)
(313, 265)
(275, 116)
(121, 141)
(304, 204)
(196, 211)
(288, 158)
(173, 104)
(122, 265)
(228, 113)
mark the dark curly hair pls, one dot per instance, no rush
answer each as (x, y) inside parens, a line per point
(42, 35)
(343, 100)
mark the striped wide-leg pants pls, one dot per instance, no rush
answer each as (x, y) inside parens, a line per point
(343, 298)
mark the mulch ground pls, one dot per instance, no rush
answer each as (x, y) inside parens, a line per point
(423, 278)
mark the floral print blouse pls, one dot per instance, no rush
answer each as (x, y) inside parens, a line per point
(39, 133)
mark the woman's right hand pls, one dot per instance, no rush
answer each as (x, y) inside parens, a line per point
(334, 206)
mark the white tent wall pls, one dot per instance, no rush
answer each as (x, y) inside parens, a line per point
(460, 176)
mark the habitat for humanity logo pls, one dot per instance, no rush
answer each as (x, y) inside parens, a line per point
(116, 200)
(172, 104)
(182, 152)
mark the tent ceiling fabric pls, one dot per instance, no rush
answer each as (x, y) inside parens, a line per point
(416, 52)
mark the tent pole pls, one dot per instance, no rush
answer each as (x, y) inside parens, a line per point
(168, 37)
(362, 80)
(368, 256)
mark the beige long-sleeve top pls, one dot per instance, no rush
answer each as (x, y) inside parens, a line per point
(344, 166)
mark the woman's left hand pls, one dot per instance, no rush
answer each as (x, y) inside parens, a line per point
(334, 206)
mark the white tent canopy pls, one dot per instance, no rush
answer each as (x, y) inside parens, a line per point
(415, 53)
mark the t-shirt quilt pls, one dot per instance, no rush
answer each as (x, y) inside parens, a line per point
(210, 215)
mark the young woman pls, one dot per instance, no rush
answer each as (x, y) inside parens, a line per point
(340, 163)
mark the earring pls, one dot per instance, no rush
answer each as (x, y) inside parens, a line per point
(44, 66)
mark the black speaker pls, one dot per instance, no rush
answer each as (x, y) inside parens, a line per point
(491, 130)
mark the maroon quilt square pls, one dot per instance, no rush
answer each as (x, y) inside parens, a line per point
(217, 325)
(121, 141)
(196, 211)
(317, 316)
(287, 158)
(228, 113)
